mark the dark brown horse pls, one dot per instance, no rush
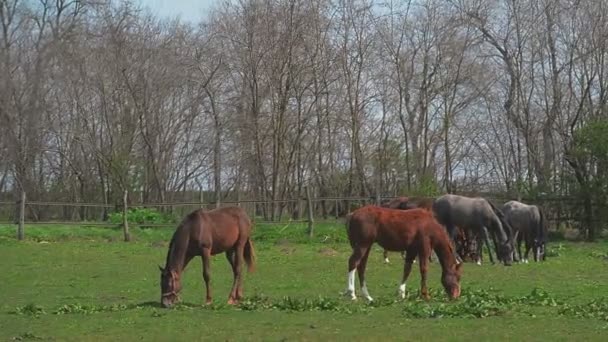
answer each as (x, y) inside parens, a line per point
(207, 233)
(416, 231)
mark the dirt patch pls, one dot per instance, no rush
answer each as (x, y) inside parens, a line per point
(282, 242)
(287, 250)
(326, 251)
(159, 244)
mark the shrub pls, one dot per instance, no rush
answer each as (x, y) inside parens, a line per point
(142, 216)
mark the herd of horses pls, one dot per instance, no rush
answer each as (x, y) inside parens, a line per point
(453, 227)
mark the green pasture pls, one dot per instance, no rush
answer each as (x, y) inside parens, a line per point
(84, 283)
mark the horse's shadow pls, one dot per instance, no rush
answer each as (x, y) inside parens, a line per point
(156, 305)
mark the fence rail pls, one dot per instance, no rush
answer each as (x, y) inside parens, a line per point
(307, 204)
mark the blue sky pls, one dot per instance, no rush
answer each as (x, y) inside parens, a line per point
(190, 10)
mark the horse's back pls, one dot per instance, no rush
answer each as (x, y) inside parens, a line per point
(460, 210)
(392, 229)
(523, 217)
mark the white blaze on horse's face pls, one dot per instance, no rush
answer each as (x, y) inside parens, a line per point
(402, 291)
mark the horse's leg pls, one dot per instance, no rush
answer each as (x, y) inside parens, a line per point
(386, 261)
(353, 263)
(206, 256)
(486, 239)
(452, 233)
(238, 274)
(528, 247)
(407, 269)
(230, 255)
(518, 239)
(361, 270)
(423, 255)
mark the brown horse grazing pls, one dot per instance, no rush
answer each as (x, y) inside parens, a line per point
(207, 233)
(406, 203)
(416, 231)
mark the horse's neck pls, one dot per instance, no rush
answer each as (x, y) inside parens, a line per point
(178, 249)
(444, 251)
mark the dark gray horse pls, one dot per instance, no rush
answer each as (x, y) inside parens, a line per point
(478, 215)
(528, 224)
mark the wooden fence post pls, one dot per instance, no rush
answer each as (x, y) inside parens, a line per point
(20, 228)
(310, 213)
(125, 221)
(336, 209)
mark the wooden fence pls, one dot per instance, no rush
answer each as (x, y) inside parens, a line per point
(558, 209)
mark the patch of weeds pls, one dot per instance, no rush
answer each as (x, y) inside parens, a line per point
(598, 254)
(539, 297)
(555, 251)
(30, 310)
(27, 336)
(255, 303)
(597, 309)
(477, 304)
(317, 304)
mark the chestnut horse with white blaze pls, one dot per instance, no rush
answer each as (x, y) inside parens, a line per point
(414, 231)
(207, 233)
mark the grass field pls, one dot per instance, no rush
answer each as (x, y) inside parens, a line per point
(83, 283)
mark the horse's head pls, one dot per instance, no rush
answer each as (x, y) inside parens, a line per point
(506, 251)
(451, 280)
(170, 286)
(539, 250)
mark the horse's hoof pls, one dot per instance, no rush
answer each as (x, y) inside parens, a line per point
(386, 261)
(208, 302)
(232, 301)
(479, 263)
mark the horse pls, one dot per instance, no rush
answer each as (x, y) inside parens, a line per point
(416, 231)
(463, 239)
(480, 216)
(406, 203)
(207, 233)
(402, 203)
(528, 224)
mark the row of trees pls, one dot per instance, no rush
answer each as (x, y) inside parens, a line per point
(264, 97)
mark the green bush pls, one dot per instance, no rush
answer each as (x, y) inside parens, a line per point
(142, 216)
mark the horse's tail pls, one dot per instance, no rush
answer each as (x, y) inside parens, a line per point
(541, 225)
(249, 254)
(503, 220)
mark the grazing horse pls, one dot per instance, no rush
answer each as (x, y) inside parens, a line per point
(402, 203)
(528, 224)
(479, 215)
(207, 233)
(416, 231)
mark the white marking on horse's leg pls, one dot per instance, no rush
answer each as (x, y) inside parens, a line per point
(525, 261)
(365, 292)
(479, 262)
(402, 291)
(351, 285)
(386, 260)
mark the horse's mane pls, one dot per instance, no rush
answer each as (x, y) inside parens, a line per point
(440, 242)
(503, 220)
(179, 243)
